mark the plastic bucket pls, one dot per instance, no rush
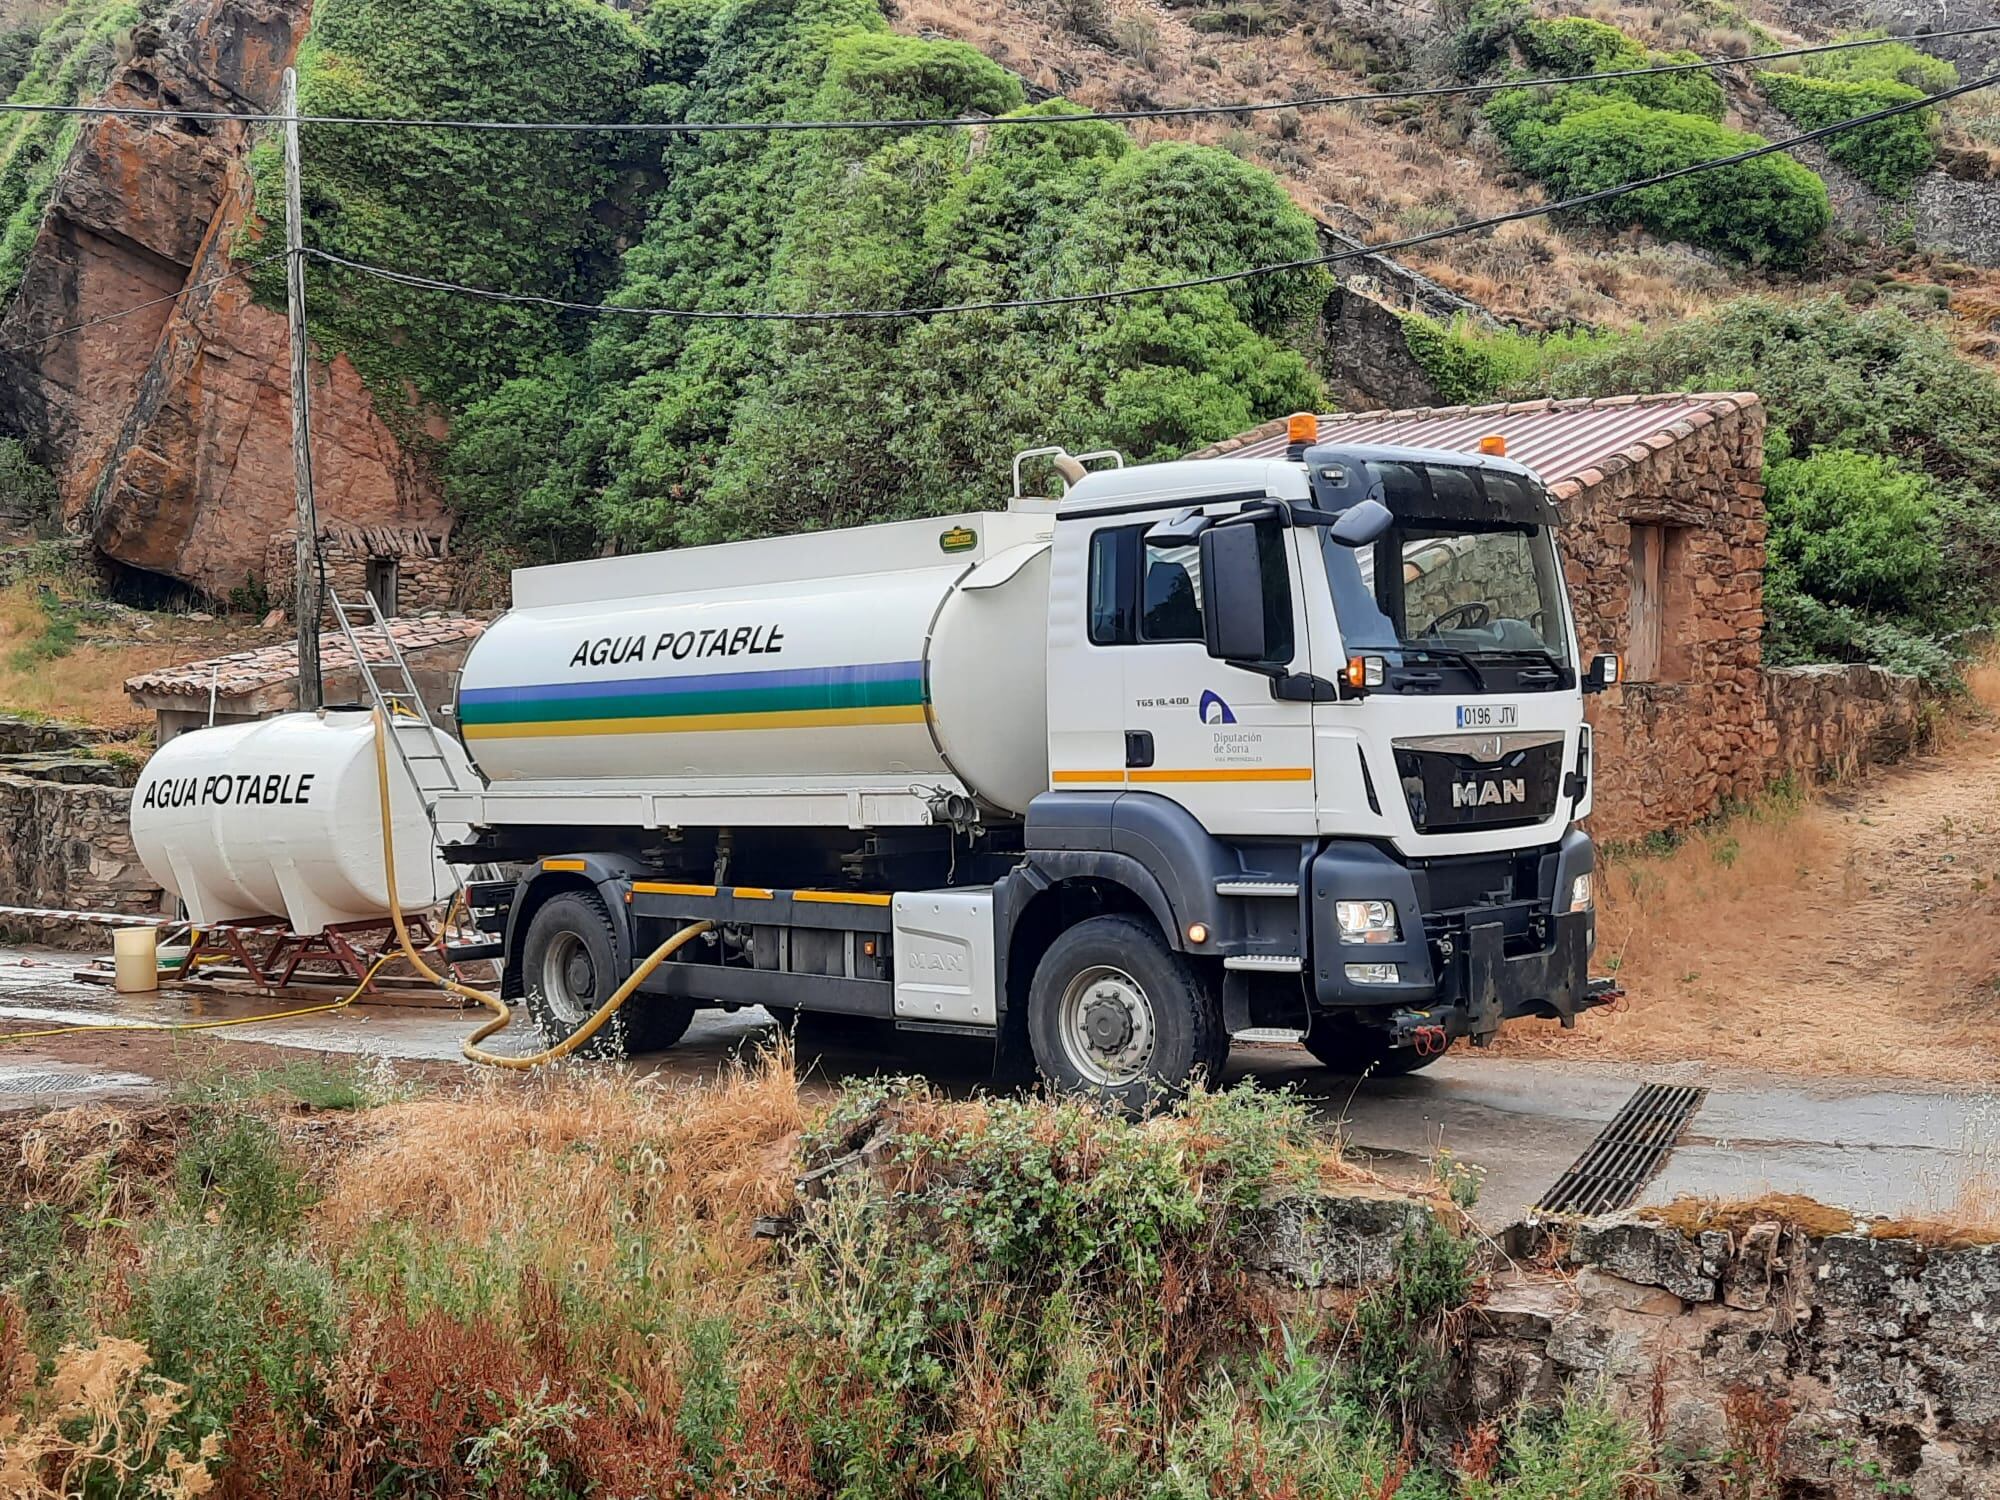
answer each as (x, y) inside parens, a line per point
(138, 964)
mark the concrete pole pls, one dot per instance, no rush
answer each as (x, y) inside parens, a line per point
(305, 553)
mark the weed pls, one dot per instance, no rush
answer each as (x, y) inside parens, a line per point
(237, 1175)
(314, 1082)
(1398, 1353)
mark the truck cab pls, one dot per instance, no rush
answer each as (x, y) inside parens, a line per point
(1196, 749)
(1338, 697)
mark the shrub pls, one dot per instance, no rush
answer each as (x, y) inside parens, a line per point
(1769, 209)
(1575, 44)
(237, 1174)
(1468, 364)
(27, 490)
(1483, 32)
(1889, 155)
(1857, 529)
(1892, 62)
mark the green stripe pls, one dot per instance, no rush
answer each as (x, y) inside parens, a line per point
(676, 705)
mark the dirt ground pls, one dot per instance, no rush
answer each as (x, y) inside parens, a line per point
(1851, 933)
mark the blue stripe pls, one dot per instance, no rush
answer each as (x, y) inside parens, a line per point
(886, 671)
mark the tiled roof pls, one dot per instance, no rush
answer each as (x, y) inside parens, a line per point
(1572, 444)
(242, 673)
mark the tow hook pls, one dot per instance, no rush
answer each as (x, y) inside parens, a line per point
(1426, 1032)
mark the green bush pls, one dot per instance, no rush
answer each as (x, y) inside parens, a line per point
(1769, 209)
(1575, 44)
(1892, 62)
(1917, 419)
(27, 489)
(1857, 529)
(1889, 155)
(1484, 29)
(1468, 364)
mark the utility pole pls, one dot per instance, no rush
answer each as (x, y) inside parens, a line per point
(305, 553)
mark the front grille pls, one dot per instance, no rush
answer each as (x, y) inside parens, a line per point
(1458, 782)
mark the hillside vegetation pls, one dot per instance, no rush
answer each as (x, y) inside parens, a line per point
(570, 431)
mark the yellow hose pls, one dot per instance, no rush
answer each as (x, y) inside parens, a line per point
(471, 1049)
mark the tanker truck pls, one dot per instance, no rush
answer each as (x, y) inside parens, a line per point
(1198, 748)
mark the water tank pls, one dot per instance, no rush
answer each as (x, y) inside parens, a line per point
(281, 818)
(871, 653)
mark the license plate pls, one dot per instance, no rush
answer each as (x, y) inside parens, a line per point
(1488, 715)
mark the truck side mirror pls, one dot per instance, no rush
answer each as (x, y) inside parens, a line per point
(1232, 593)
(1603, 674)
(1362, 525)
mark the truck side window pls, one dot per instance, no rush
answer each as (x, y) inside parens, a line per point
(1114, 556)
(1148, 591)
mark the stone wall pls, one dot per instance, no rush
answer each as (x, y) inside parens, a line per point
(65, 835)
(1670, 752)
(1830, 721)
(1800, 1358)
(1368, 360)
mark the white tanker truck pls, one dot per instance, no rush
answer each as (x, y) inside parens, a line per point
(1200, 748)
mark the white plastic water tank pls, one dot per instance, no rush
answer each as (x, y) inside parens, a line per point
(281, 818)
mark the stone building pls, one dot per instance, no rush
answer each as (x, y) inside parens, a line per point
(409, 570)
(256, 684)
(1663, 547)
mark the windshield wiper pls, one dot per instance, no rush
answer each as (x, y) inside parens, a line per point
(1533, 653)
(1456, 658)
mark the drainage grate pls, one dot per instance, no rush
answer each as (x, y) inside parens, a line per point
(1618, 1164)
(50, 1083)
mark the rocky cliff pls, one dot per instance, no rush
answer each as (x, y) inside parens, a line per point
(169, 427)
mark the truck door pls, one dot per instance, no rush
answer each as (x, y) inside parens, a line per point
(1189, 727)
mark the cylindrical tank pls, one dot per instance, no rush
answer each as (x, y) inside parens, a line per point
(281, 818)
(918, 673)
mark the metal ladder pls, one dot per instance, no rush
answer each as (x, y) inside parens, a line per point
(398, 703)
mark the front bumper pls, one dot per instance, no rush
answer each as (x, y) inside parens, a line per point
(1481, 941)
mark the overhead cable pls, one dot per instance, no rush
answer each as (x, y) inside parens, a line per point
(1220, 278)
(966, 122)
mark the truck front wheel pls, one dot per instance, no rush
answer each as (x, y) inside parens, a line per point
(1112, 1011)
(569, 968)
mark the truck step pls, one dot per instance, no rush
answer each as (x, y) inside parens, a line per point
(1266, 963)
(1284, 889)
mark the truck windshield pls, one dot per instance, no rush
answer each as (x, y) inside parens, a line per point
(1465, 578)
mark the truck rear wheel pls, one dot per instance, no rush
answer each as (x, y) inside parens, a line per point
(569, 968)
(1113, 1011)
(1349, 1046)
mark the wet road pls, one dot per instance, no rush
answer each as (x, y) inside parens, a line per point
(1890, 1151)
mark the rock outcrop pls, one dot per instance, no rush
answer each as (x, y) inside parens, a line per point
(169, 426)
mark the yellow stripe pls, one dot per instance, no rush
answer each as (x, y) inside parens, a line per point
(669, 888)
(751, 893)
(805, 718)
(1198, 773)
(562, 864)
(842, 898)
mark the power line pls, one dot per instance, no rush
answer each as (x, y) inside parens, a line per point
(126, 312)
(1073, 299)
(962, 122)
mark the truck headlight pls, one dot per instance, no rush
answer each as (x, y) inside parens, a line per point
(1579, 893)
(1367, 922)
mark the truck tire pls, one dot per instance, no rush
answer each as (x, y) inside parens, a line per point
(569, 967)
(1350, 1047)
(1114, 1012)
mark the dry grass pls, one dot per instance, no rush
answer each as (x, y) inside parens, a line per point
(566, 1159)
(84, 682)
(1848, 933)
(1377, 171)
(1692, 1216)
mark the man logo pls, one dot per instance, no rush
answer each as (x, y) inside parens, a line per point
(1214, 710)
(1489, 793)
